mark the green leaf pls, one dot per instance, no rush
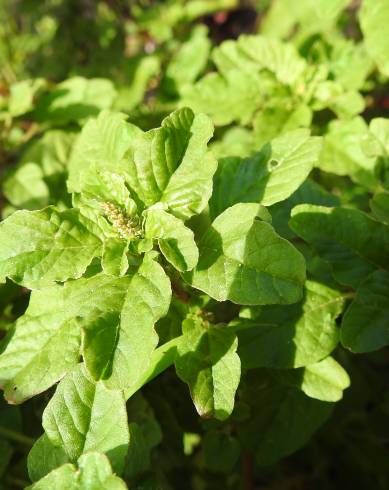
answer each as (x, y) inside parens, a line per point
(374, 19)
(325, 380)
(35, 356)
(308, 193)
(293, 336)
(103, 142)
(75, 99)
(114, 260)
(94, 472)
(106, 186)
(85, 416)
(308, 16)
(207, 361)
(117, 347)
(243, 260)
(51, 153)
(365, 323)
(270, 176)
(143, 70)
(343, 153)
(189, 61)
(278, 117)
(175, 240)
(379, 204)
(171, 164)
(26, 188)
(38, 248)
(282, 419)
(254, 53)
(44, 457)
(353, 243)
(45, 343)
(22, 95)
(233, 97)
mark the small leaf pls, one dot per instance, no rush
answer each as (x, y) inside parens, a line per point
(102, 142)
(85, 416)
(26, 188)
(106, 186)
(325, 380)
(189, 61)
(243, 260)
(208, 363)
(175, 240)
(75, 99)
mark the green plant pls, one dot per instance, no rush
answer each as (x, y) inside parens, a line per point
(194, 249)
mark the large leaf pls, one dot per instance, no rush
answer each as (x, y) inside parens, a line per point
(270, 176)
(38, 248)
(45, 343)
(243, 260)
(85, 416)
(118, 347)
(208, 362)
(93, 472)
(365, 324)
(349, 239)
(175, 240)
(293, 336)
(374, 20)
(171, 164)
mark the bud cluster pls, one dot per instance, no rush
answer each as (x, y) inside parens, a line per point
(128, 228)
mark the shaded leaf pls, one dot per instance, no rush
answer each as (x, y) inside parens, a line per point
(208, 363)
